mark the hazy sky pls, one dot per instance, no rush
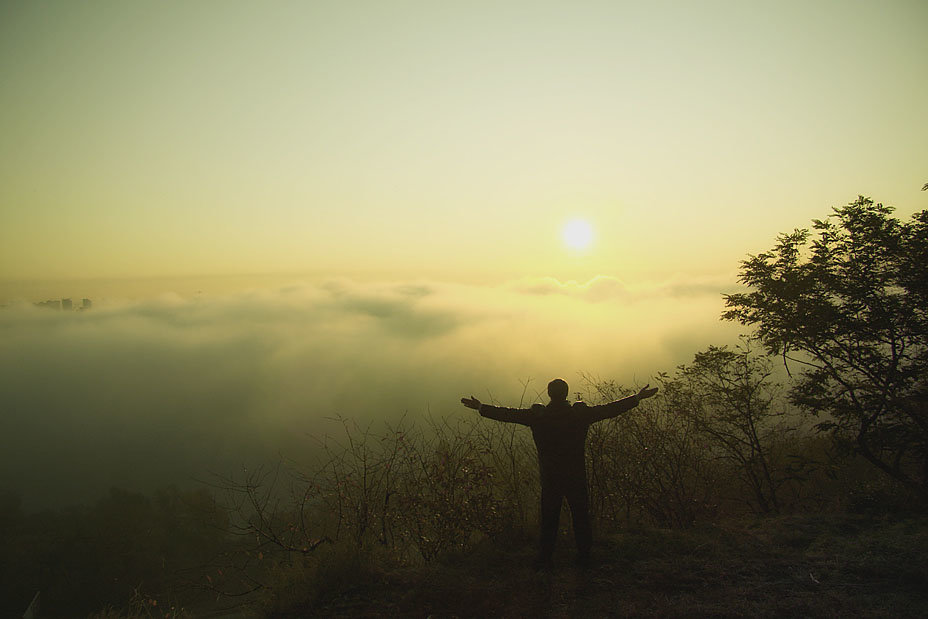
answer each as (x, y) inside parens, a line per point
(446, 140)
(404, 170)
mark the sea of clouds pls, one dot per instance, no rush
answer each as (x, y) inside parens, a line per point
(167, 390)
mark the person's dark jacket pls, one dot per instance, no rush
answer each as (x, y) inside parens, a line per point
(560, 430)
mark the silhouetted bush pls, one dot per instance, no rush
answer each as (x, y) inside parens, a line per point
(82, 559)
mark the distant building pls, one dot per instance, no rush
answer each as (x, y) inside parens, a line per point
(86, 304)
(51, 304)
(66, 304)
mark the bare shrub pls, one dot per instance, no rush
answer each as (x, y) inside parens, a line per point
(647, 465)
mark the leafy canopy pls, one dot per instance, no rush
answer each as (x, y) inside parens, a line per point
(849, 306)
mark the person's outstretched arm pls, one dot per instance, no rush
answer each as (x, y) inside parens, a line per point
(499, 413)
(614, 409)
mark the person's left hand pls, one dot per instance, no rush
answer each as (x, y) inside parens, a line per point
(471, 402)
(646, 393)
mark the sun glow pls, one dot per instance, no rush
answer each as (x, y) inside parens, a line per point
(578, 234)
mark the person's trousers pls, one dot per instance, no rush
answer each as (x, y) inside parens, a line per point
(551, 499)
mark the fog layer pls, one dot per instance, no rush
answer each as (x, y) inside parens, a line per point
(166, 390)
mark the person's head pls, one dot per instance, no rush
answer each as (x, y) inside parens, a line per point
(557, 390)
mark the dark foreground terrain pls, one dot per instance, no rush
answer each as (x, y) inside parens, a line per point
(819, 566)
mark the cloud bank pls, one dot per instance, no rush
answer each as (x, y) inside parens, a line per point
(161, 391)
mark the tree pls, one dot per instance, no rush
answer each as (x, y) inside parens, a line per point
(851, 310)
(733, 401)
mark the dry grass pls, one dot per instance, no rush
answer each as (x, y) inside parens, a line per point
(813, 566)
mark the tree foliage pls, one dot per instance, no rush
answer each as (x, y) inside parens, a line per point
(732, 400)
(850, 307)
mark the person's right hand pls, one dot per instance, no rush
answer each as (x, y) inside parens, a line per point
(471, 402)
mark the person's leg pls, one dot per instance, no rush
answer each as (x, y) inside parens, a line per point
(551, 500)
(579, 502)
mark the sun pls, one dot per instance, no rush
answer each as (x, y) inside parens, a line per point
(578, 234)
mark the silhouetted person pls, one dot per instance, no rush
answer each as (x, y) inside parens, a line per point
(559, 430)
